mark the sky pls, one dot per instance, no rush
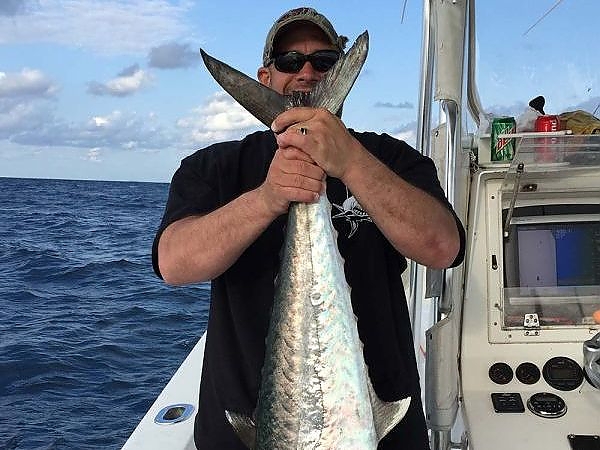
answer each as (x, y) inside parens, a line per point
(115, 89)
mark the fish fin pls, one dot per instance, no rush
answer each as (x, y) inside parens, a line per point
(261, 101)
(333, 88)
(386, 415)
(244, 426)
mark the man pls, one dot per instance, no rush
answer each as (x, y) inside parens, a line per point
(225, 220)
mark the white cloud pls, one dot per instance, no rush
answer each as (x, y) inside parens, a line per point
(173, 56)
(408, 136)
(400, 105)
(105, 122)
(35, 124)
(18, 115)
(93, 155)
(407, 133)
(12, 114)
(108, 26)
(128, 82)
(24, 102)
(221, 118)
(116, 130)
(99, 121)
(28, 82)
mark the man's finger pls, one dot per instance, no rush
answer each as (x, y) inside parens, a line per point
(291, 117)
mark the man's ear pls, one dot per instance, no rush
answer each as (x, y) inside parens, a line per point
(264, 76)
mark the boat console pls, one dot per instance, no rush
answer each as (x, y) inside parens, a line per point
(530, 341)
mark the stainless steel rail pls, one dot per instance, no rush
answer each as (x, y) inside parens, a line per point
(417, 273)
(473, 101)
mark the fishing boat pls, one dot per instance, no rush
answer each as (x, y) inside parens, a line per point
(508, 343)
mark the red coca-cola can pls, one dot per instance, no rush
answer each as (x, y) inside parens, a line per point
(547, 123)
(546, 147)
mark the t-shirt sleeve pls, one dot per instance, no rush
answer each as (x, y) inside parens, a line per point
(190, 193)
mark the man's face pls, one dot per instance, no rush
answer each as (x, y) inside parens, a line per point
(303, 38)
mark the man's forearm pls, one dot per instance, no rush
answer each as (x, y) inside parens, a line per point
(416, 224)
(199, 248)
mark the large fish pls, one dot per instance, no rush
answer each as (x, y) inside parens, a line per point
(315, 391)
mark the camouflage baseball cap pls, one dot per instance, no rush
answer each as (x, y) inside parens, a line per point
(297, 15)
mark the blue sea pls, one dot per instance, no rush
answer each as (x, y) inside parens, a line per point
(89, 335)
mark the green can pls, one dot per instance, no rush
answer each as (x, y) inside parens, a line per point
(503, 149)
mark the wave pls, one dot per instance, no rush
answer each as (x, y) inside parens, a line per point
(89, 334)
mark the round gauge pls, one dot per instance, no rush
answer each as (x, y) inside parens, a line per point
(500, 373)
(546, 404)
(563, 373)
(528, 373)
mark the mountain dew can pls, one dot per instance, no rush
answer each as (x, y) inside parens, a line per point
(503, 149)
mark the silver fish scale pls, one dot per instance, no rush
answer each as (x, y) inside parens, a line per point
(314, 392)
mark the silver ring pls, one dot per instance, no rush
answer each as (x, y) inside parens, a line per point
(303, 131)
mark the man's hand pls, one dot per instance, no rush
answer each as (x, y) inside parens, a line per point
(293, 177)
(326, 140)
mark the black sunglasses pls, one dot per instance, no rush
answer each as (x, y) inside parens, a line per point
(292, 62)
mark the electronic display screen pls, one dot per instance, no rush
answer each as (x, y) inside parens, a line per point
(553, 254)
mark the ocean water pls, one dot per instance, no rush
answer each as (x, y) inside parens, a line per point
(89, 335)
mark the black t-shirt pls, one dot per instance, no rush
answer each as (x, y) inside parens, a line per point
(241, 297)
